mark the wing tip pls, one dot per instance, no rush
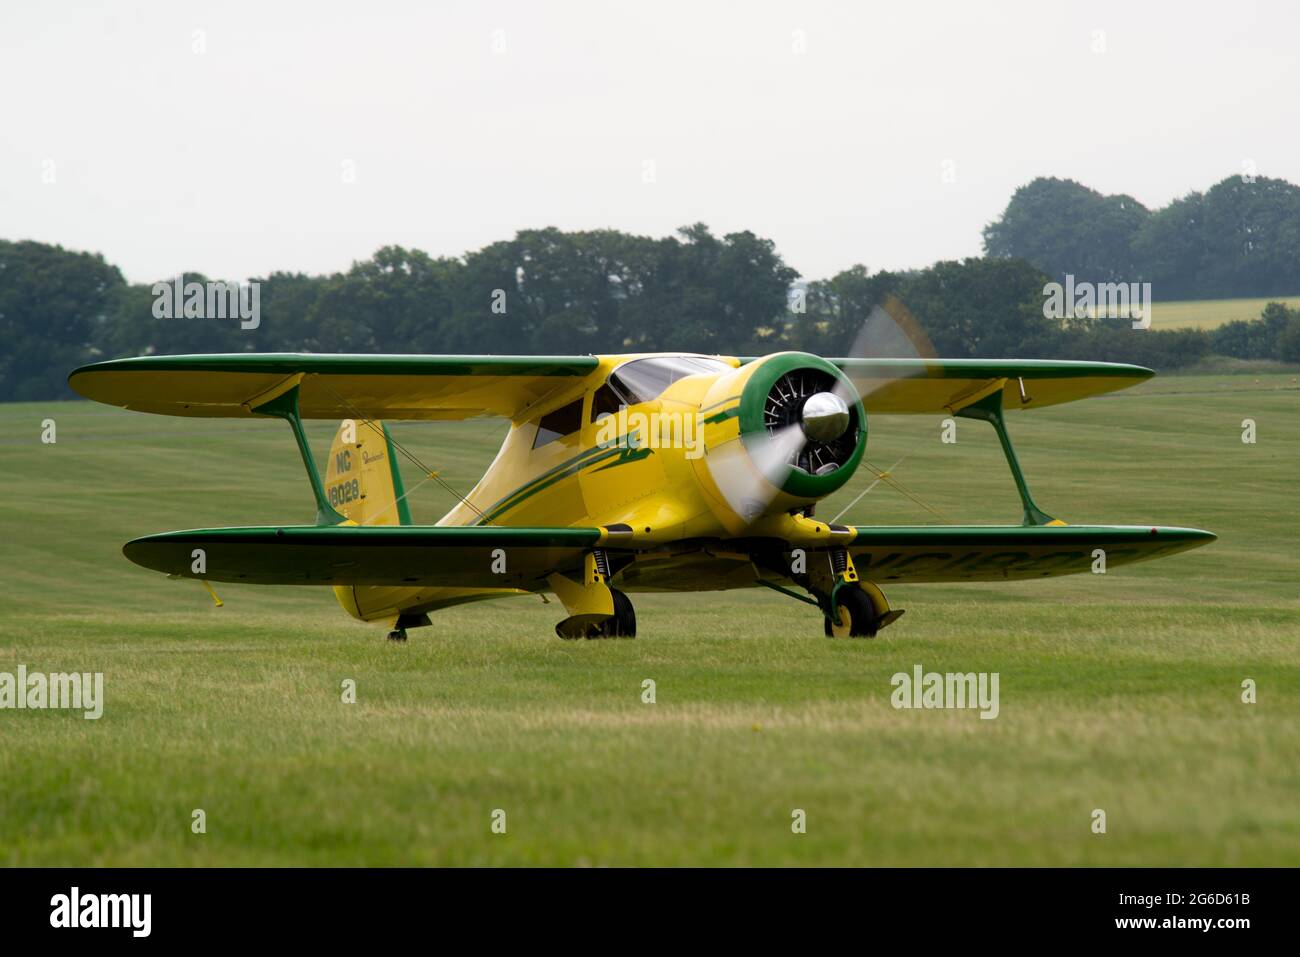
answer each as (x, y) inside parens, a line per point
(1194, 537)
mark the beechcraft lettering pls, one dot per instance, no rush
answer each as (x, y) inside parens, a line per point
(942, 563)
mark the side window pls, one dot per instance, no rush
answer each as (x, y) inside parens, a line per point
(604, 402)
(556, 425)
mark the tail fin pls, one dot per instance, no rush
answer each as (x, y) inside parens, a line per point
(363, 482)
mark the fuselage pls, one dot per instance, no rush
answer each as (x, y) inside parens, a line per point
(583, 460)
(652, 442)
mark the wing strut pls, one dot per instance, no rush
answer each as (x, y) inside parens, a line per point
(989, 409)
(283, 404)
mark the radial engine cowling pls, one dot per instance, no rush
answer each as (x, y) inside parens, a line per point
(780, 433)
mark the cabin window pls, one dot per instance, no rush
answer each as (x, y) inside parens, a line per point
(605, 401)
(556, 425)
(644, 379)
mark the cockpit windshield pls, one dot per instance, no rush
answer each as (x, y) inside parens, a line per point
(643, 379)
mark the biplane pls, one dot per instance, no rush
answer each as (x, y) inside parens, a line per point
(619, 474)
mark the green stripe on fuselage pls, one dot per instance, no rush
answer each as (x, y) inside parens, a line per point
(623, 452)
(720, 402)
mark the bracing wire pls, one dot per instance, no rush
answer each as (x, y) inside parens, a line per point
(887, 476)
(424, 469)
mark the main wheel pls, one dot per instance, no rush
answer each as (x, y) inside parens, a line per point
(857, 615)
(398, 635)
(623, 622)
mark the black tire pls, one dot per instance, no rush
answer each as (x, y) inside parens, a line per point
(857, 615)
(398, 635)
(623, 622)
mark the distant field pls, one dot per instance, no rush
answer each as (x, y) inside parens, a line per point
(1118, 692)
(1208, 313)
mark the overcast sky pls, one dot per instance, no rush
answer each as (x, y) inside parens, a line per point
(882, 133)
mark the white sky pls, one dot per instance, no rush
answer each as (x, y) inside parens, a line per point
(231, 162)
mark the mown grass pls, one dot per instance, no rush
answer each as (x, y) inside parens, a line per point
(1120, 692)
(1209, 313)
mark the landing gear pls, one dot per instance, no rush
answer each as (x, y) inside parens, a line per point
(856, 613)
(621, 624)
(404, 621)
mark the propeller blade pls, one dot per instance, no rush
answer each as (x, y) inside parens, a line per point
(775, 455)
(749, 481)
(889, 332)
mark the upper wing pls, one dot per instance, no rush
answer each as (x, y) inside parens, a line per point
(956, 553)
(452, 556)
(944, 385)
(332, 386)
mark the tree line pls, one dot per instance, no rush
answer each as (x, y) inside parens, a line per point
(1240, 238)
(553, 292)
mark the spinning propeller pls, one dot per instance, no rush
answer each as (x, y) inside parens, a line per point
(813, 423)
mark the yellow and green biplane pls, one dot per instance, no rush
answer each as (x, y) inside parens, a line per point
(628, 473)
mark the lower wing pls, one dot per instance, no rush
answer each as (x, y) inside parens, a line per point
(492, 557)
(454, 556)
(959, 553)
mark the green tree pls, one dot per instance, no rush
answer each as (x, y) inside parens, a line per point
(1171, 249)
(982, 308)
(1251, 234)
(395, 301)
(1288, 340)
(1063, 227)
(136, 330)
(1257, 339)
(838, 309)
(54, 312)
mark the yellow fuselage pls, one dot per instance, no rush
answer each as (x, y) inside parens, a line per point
(643, 466)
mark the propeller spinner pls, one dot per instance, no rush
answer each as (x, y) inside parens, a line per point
(824, 417)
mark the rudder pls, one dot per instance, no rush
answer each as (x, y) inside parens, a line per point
(362, 481)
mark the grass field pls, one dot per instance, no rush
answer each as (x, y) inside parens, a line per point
(1120, 692)
(1208, 313)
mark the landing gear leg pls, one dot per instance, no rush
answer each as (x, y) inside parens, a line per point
(595, 610)
(404, 621)
(621, 624)
(851, 607)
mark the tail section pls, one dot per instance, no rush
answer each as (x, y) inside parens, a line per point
(364, 485)
(363, 482)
